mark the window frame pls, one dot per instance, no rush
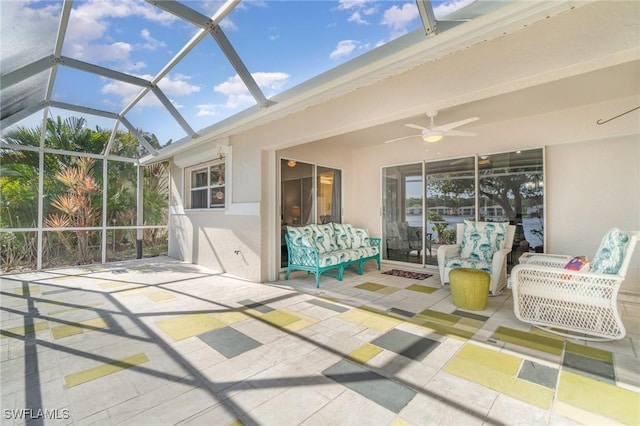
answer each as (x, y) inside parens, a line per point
(221, 187)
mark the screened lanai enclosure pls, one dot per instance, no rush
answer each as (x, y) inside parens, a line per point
(92, 90)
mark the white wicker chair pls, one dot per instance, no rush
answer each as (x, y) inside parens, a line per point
(497, 269)
(570, 303)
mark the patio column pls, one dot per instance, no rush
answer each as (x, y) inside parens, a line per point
(140, 213)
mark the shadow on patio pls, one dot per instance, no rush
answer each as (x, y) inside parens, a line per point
(163, 342)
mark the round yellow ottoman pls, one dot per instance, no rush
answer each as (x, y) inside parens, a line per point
(469, 288)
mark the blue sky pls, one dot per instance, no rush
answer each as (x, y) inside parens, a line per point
(282, 43)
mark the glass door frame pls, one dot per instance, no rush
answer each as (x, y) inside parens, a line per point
(314, 197)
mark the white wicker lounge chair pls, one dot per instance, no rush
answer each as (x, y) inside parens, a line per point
(480, 245)
(573, 303)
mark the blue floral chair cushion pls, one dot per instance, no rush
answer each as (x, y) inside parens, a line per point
(481, 240)
(610, 254)
(461, 262)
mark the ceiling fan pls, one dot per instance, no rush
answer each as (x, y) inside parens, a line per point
(435, 133)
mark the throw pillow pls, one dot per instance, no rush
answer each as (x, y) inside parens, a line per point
(578, 263)
(323, 238)
(360, 237)
(343, 235)
(610, 254)
(480, 240)
(301, 235)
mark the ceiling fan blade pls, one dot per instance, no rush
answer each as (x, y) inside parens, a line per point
(459, 133)
(450, 126)
(402, 138)
(415, 126)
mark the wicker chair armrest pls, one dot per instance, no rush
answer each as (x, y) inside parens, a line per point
(449, 250)
(551, 260)
(499, 258)
(531, 276)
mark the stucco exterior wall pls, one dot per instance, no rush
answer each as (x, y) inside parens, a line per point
(485, 78)
(591, 187)
(229, 240)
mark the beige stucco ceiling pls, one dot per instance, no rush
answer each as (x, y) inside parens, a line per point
(614, 82)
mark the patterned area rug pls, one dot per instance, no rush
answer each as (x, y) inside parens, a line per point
(408, 274)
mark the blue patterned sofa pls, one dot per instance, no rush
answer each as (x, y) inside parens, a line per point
(320, 248)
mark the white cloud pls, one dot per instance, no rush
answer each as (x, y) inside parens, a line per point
(177, 85)
(171, 85)
(207, 110)
(114, 52)
(151, 43)
(238, 95)
(271, 80)
(443, 9)
(358, 8)
(236, 92)
(90, 20)
(397, 18)
(357, 18)
(352, 4)
(344, 48)
(87, 37)
(228, 25)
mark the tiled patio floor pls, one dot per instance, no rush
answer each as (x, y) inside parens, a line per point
(159, 342)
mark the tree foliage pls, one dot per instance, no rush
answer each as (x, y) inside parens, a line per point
(73, 184)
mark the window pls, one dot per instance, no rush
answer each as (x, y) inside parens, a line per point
(206, 185)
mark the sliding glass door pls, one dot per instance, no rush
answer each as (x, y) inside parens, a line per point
(423, 203)
(403, 222)
(308, 194)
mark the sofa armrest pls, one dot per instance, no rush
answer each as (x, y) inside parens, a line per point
(301, 255)
(374, 241)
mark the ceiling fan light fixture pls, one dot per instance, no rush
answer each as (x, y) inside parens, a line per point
(433, 136)
(291, 163)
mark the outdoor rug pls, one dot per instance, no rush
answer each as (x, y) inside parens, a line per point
(408, 274)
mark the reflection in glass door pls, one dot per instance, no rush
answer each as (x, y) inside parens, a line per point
(450, 199)
(329, 195)
(309, 194)
(511, 190)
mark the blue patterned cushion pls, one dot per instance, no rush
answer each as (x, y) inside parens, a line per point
(343, 235)
(610, 255)
(462, 262)
(301, 235)
(480, 240)
(329, 259)
(323, 238)
(367, 251)
(359, 238)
